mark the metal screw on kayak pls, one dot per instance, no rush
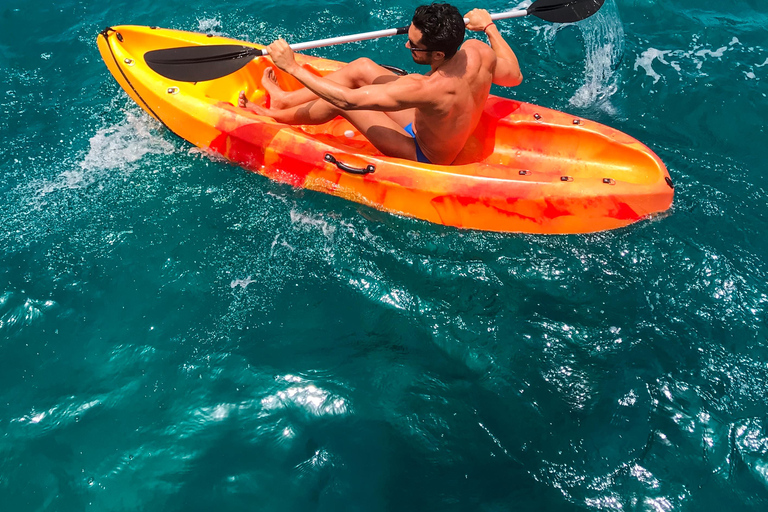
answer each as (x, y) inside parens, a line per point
(524, 172)
(576, 121)
(536, 116)
(129, 62)
(209, 35)
(173, 90)
(609, 181)
(566, 178)
(669, 182)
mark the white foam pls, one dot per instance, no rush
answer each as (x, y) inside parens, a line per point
(645, 61)
(209, 25)
(717, 53)
(277, 243)
(309, 221)
(548, 31)
(691, 61)
(242, 283)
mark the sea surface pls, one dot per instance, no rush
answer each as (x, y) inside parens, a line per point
(178, 334)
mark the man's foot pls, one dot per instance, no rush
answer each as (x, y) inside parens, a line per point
(276, 94)
(242, 102)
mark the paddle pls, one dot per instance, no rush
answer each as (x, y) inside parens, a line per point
(208, 62)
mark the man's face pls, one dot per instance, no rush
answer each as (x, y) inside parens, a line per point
(420, 53)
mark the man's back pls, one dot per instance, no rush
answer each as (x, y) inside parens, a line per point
(460, 87)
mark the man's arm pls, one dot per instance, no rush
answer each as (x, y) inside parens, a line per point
(406, 92)
(507, 72)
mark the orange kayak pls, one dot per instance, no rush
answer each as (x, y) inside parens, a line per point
(525, 168)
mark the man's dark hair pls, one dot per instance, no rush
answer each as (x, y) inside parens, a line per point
(442, 27)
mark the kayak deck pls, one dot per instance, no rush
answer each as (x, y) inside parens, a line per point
(524, 169)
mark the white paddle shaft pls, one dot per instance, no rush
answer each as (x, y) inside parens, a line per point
(384, 33)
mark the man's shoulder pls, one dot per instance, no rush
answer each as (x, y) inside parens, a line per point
(413, 83)
(476, 50)
(475, 44)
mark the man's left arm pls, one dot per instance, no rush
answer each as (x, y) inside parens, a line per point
(507, 72)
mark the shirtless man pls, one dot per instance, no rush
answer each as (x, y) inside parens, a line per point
(427, 118)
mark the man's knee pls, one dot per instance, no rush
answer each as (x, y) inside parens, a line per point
(363, 63)
(366, 71)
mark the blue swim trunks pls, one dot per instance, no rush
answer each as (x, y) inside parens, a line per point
(420, 156)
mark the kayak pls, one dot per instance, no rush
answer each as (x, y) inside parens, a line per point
(525, 169)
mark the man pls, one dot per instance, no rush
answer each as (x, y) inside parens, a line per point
(427, 118)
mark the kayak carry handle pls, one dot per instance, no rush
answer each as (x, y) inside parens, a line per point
(368, 169)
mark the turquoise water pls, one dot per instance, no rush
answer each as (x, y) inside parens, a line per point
(179, 334)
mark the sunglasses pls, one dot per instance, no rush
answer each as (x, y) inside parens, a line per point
(411, 46)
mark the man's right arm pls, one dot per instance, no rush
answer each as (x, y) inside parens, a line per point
(409, 91)
(507, 72)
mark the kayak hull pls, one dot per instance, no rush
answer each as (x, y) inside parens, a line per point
(525, 168)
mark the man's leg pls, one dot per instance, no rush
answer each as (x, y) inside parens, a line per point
(381, 130)
(356, 74)
(316, 111)
(384, 132)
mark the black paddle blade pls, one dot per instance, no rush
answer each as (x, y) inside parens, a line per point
(200, 63)
(564, 11)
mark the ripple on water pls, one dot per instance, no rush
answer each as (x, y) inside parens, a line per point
(751, 443)
(38, 423)
(306, 397)
(18, 311)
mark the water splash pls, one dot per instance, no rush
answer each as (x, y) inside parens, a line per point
(210, 26)
(114, 147)
(604, 44)
(124, 143)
